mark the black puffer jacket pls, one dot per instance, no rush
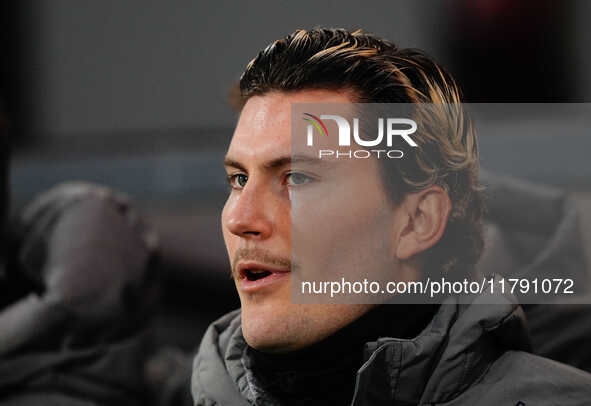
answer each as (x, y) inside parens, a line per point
(472, 354)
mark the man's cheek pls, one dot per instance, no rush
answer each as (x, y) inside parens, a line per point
(231, 244)
(225, 232)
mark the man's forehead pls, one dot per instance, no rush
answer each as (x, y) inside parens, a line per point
(260, 141)
(263, 130)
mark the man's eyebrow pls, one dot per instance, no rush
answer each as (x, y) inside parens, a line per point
(234, 164)
(293, 159)
(279, 162)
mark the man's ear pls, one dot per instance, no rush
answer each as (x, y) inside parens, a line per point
(424, 218)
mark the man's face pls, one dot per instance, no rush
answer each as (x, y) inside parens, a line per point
(257, 221)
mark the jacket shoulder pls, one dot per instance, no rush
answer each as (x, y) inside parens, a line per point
(519, 378)
(211, 383)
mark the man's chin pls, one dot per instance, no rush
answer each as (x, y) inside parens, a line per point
(269, 327)
(276, 326)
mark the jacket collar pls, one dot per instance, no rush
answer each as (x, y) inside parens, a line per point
(449, 356)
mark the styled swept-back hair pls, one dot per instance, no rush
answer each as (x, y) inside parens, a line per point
(375, 70)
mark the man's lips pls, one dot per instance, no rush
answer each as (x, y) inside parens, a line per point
(253, 275)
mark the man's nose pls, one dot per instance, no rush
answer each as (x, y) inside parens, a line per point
(250, 215)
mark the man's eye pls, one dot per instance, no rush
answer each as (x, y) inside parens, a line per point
(237, 180)
(296, 178)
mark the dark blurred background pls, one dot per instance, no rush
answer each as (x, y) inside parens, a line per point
(133, 95)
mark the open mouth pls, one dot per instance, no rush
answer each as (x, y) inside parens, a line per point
(256, 274)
